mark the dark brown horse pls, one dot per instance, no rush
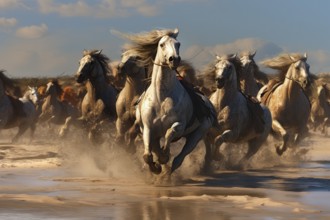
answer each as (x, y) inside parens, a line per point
(16, 112)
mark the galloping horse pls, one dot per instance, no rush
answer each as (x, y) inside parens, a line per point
(54, 110)
(249, 76)
(287, 100)
(166, 110)
(14, 112)
(99, 103)
(135, 84)
(240, 119)
(320, 110)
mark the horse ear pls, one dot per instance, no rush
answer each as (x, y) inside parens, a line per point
(175, 32)
(218, 58)
(305, 55)
(29, 87)
(98, 52)
(233, 57)
(253, 54)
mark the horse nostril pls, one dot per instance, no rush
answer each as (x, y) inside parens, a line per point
(170, 59)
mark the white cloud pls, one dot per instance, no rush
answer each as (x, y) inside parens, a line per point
(32, 32)
(7, 4)
(8, 22)
(100, 8)
(202, 55)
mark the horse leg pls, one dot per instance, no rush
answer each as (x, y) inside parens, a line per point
(208, 155)
(131, 135)
(120, 130)
(176, 130)
(302, 133)
(192, 140)
(325, 126)
(226, 136)
(32, 130)
(147, 156)
(280, 148)
(65, 127)
(253, 147)
(21, 129)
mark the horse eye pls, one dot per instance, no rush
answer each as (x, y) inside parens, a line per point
(162, 45)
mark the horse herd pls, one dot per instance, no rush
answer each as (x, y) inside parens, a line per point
(154, 95)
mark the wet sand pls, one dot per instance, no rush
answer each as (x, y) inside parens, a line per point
(52, 179)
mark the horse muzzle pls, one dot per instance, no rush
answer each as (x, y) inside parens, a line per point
(80, 78)
(220, 81)
(174, 62)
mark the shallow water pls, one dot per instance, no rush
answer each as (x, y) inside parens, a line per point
(35, 184)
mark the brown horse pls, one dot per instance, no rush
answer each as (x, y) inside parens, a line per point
(287, 100)
(99, 103)
(54, 110)
(136, 81)
(15, 112)
(240, 119)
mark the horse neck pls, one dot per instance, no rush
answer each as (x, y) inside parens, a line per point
(163, 78)
(26, 96)
(99, 84)
(248, 85)
(90, 89)
(226, 94)
(292, 88)
(136, 82)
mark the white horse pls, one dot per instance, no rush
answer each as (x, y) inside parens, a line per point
(241, 120)
(166, 109)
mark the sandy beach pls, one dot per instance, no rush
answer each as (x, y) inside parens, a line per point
(70, 179)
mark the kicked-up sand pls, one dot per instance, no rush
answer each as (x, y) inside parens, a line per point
(71, 179)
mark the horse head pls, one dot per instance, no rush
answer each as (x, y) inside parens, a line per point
(247, 63)
(53, 88)
(92, 65)
(128, 65)
(169, 47)
(225, 72)
(299, 71)
(32, 93)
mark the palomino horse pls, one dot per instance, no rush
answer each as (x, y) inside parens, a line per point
(166, 110)
(54, 110)
(240, 118)
(249, 76)
(320, 110)
(99, 103)
(14, 112)
(135, 84)
(287, 100)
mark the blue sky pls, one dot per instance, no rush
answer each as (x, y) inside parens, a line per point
(47, 37)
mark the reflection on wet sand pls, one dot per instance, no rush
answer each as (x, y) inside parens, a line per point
(39, 185)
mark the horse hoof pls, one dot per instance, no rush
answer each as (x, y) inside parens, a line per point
(164, 157)
(155, 168)
(279, 151)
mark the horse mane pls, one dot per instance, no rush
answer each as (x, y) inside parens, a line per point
(58, 87)
(187, 71)
(145, 44)
(104, 61)
(7, 82)
(282, 63)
